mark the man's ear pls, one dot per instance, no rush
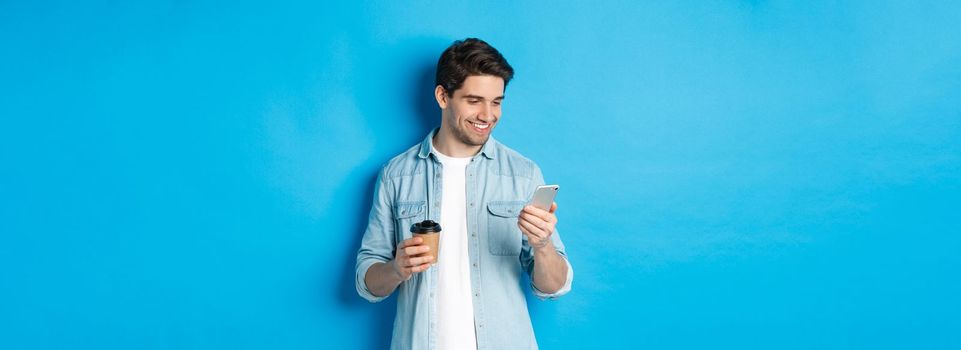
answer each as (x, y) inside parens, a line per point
(441, 95)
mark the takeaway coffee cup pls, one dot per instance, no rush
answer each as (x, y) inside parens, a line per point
(429, 231)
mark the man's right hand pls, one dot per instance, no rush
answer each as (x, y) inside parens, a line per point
(410, 258)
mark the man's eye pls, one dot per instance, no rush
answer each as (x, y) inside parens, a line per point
(473, 102)
(497, 103)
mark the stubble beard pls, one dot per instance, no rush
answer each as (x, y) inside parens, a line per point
(465, 136)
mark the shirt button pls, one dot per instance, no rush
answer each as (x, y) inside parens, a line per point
(472, 204)
(476, 294)
(473, 235)
(475, 265)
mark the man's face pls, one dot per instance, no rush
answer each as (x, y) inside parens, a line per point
(474, 109)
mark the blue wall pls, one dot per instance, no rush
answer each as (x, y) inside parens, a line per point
(735, 174)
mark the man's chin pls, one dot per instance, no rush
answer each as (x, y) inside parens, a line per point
(479, 141)
(472, 140)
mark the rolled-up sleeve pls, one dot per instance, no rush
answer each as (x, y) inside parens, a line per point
(564, 289)
(379, 240)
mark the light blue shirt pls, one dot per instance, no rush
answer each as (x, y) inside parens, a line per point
(499, 183)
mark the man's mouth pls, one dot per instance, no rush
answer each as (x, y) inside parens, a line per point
(480, 127)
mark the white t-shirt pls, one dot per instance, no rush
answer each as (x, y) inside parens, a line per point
(455, 314)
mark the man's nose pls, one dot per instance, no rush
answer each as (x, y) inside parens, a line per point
(486, 113)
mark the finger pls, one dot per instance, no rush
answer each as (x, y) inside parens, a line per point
(417, 249)
(553, 207)
(419, 268)
(538, 240)
(532, 230)
(547, 228)
(527, 218)
(536, 222)
(523, 228)
(411, 242)
(534, 219)
(417, 261)
(533, 210)
(538, 212)
(524, 216)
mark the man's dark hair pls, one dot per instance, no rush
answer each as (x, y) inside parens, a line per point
(469, 57)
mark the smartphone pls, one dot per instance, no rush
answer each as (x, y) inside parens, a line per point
(544, 196)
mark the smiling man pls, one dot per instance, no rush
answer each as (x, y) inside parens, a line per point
(471, 296)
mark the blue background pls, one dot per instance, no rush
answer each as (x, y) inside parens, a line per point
(735, 174)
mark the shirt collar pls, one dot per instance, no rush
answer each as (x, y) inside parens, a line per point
(425, 147)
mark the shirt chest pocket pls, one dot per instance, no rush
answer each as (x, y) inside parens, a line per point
(406, 214)
(503, 235)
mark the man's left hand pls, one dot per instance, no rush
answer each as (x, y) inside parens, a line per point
(538, 225)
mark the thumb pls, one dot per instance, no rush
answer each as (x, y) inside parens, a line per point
(553, 207)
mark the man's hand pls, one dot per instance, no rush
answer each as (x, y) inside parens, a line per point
(550, 271)
(383, 278)
(538, 225)
(410, 258)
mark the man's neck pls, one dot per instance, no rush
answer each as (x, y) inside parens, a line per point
(447, 144)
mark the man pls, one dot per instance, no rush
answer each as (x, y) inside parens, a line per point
(471, 297)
